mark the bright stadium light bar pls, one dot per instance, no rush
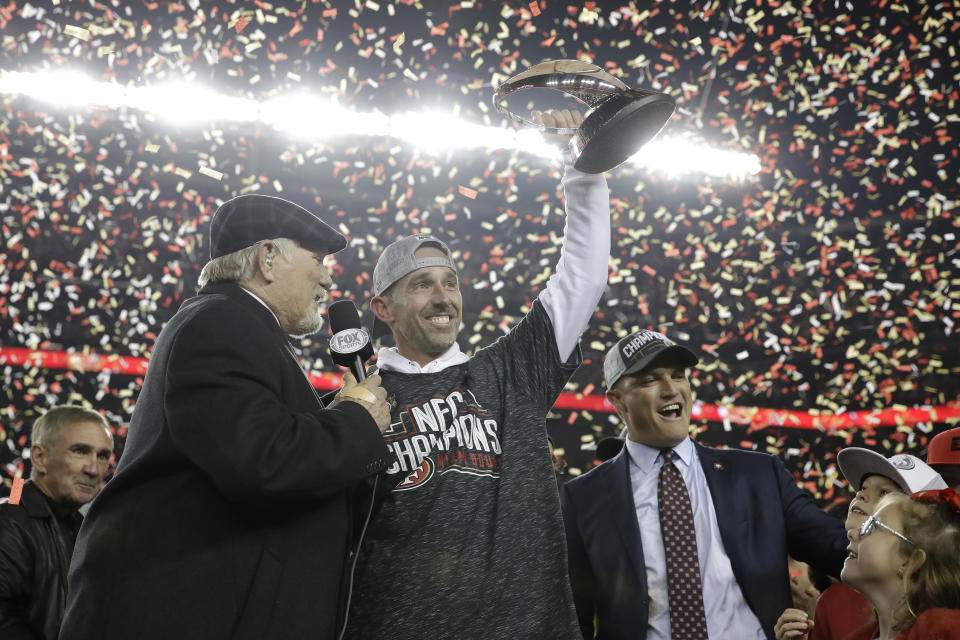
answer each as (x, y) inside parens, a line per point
(312, 117)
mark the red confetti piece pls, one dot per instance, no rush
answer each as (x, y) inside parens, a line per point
(467, 191)
(16, 491)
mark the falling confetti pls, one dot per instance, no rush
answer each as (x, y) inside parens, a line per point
(77, 32)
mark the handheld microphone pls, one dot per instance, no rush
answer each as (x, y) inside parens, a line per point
(349, 343)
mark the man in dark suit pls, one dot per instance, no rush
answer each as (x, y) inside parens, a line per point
(743, 515)
(230, 515)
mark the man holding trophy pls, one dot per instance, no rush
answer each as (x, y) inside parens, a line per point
(467, 540)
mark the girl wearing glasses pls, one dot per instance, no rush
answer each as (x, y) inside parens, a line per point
(906, 560)
(842, 610)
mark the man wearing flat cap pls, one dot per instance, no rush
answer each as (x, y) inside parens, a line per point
(673, 540)
(231, 515)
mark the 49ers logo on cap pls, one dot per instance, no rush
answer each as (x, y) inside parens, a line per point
(903, 462)
(349, 340)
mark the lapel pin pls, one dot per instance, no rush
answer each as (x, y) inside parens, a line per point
(718, 466)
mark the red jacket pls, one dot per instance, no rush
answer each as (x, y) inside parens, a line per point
(932, 624)
(841, 610)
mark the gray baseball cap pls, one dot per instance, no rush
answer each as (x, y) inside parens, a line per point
(399, 259)
(637, 351)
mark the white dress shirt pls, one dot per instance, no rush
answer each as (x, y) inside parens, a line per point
(728, 615)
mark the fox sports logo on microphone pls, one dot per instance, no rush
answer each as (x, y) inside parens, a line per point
(349, 340)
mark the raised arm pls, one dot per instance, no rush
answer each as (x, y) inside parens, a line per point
(572, 292)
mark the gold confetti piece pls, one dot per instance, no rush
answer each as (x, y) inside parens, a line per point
(207, 171)
(151, 148)
(77, 32)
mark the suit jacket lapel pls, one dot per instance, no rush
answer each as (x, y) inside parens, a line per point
(306, 376)
(728, 505)
(620, 505)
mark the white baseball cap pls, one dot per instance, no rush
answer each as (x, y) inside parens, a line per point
(909, 472)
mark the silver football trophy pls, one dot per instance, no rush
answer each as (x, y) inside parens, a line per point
(620, 119)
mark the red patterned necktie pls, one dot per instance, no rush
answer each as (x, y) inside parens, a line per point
(684, 589)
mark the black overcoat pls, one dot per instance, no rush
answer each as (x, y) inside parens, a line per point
(231, 512)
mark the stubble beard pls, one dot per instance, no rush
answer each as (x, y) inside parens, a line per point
(438, 340)
(309, 323)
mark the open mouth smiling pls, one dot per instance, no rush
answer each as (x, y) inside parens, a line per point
(673, 410)
(440, 320)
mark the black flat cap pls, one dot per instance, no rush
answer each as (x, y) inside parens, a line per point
(245, 220)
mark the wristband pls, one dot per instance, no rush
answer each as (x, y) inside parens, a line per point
(359, 393)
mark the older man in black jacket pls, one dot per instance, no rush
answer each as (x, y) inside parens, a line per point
(230, 515)
(70, 449)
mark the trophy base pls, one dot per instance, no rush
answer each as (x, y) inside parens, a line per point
(619, 126)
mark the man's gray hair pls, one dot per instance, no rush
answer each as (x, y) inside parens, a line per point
(239, 265)
(46, 430)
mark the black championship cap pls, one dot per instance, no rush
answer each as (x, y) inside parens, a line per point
(638, 350)
(243, 221)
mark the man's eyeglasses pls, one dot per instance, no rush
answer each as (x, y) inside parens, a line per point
(867, 528)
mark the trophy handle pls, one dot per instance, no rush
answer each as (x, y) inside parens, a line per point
(568, 66)
(585, 82)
